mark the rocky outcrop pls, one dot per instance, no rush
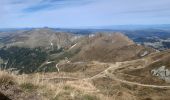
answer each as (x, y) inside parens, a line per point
(162, 73)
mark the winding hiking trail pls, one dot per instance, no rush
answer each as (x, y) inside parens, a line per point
(133, 83)
(112, 76)
(113, 67)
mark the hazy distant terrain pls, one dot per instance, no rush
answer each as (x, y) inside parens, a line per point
(156, 36)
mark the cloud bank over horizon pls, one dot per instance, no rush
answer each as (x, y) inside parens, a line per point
(82, 13)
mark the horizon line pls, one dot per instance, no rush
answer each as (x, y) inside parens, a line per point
(83, 26)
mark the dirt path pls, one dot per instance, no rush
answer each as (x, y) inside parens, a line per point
(106, 72)
(114, 67)
(135, 83)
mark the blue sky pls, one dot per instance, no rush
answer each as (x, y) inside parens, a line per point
(82, 13)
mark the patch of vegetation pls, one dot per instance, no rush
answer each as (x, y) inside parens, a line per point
(28, 87)
(88, 97)
(47, 68)
(128, 86)
(163, 62)
(144, 91)
(63, 96)
(67, 87)
(56, 50)
(67, 54)
(6, 79)
(26, 60)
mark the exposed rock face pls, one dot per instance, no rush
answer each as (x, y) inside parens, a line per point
(162, 73)
(144, 53)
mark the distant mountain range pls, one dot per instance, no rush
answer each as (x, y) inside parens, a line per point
(99, 28)
(135, 27)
